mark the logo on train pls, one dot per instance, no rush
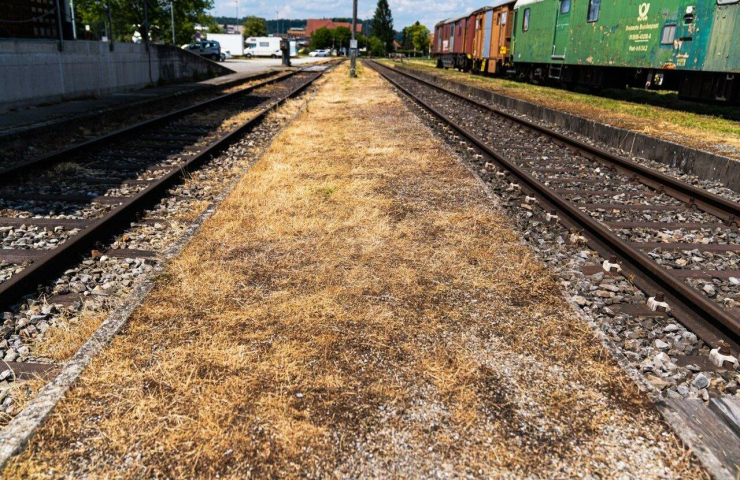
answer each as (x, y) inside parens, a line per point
(643, 11)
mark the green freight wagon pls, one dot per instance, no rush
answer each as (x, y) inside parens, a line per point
(689, 45)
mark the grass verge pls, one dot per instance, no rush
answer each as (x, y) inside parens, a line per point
(661, 114)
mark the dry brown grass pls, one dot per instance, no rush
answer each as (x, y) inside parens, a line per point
(356, 308)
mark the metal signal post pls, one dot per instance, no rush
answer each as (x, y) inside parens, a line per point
(353, 43)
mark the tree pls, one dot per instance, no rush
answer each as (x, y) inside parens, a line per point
(419, 37)
(321, 38)
(383, 25)
(375, 46)
(255, 27)
(341, 36)
(128, 16)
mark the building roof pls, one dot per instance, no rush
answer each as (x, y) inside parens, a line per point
(316, 23)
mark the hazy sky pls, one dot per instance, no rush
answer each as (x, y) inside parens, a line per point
(405, 12)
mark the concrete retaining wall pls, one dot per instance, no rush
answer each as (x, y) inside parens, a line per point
(704, 165)
(34, 72)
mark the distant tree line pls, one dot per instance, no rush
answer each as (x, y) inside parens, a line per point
(378, 34)
(128, 18)
(378, 40)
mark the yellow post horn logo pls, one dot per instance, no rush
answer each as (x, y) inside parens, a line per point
(643, 10)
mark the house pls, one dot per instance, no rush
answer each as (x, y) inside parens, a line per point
(298, 33)
(316, 23)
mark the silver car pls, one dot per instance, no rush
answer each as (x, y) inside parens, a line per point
(206, 48)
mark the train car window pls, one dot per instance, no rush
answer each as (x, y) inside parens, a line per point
(669, 34)
(564, 6)
(503, 18)
(593, 10)
(525, 23)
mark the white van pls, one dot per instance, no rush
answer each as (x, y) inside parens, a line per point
(262, 47)
(266, 47)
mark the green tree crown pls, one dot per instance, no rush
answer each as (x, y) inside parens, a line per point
(255, 26)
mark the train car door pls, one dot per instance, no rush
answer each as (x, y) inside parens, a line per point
(562, 30)
(503, 22)
(487, 34)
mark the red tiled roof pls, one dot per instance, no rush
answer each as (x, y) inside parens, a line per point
(316, 23)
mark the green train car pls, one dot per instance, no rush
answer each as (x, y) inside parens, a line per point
(692, 46)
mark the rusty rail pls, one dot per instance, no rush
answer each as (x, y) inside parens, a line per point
(57, 259)
(704, 317)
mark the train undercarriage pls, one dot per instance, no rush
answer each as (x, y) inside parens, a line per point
(717, 87)
(701, 86)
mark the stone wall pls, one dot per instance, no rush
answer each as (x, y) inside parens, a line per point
(34, 72)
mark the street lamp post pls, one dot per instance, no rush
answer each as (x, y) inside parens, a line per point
(72, 14)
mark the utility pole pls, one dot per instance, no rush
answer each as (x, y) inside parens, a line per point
(145, 27)
(59, 25)
(172, 16)
(236, 24)
(110, 28)
(353, 43)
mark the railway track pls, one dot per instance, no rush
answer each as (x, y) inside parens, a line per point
(625, 211)
(57, 208)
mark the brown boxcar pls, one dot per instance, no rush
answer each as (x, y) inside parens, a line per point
(450, 48)
(459, 36)
(499, 57)
(484, 43)
(469, 36)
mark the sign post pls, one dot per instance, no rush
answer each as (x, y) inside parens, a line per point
(353, 43)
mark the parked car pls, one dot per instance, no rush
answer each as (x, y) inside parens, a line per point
(225, 54)
(319, 53)
(206, 48)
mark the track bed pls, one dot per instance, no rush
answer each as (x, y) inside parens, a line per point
(358, 308)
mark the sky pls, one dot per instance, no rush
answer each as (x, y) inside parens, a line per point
(405, 12)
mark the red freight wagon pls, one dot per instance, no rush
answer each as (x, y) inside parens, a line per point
(480, 41)
(469, 36)
(459, 44)
(450, 43)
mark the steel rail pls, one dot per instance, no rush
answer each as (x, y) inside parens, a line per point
(57, 259)
(703, 316)
(712, 203)
(12, 172)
